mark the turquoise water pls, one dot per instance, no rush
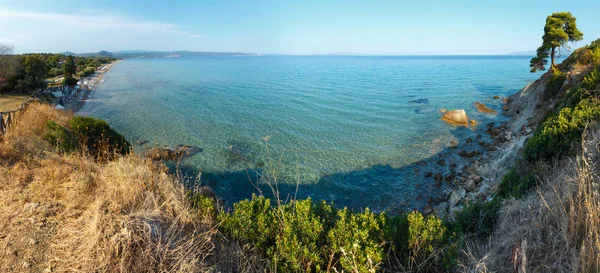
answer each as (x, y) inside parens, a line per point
(359, 131)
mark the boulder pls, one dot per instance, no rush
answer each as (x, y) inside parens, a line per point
(456, 196)
(441, 162)
(456, 117)
(470, 185)
(473, 153)
(441, 210)
(475, 178)
(484, 109)
(427, 209)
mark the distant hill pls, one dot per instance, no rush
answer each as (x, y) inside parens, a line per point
(131, 54)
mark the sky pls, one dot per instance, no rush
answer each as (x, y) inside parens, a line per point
(395, 27)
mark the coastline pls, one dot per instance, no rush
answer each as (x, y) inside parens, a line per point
(93, 82)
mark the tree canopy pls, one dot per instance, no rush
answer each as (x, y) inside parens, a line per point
(560, 29)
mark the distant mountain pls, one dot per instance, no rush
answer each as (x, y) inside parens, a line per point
(130, 54)
(523, 53)
(67, 53)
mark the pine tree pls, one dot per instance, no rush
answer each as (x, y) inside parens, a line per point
(560, 29)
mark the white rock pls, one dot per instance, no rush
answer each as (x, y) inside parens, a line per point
(456, 196)
(30, 206)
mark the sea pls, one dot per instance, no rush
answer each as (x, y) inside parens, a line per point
(358, 131)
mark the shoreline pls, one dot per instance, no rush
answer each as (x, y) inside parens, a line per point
(94, 81)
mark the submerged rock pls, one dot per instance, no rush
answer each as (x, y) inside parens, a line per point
(173, 154)
(484, 109)
(420, 101)
(456, 117)
(141, 142)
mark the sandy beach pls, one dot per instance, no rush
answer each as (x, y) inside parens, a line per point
(93, 82)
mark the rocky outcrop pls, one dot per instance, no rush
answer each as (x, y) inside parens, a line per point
(456, 117)
(484, 109)
(172, 154)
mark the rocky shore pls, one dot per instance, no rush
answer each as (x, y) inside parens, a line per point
(478, 179)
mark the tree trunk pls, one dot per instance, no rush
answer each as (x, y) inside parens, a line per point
(552, 56)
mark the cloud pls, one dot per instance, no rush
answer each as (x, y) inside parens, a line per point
(80, 31)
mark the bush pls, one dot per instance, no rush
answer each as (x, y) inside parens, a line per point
(358, 239)
(426, 236)
(86, 132)
(591, 80)
(559, 131)
(515, 185)
(96, 136)
(478, 218)
(59, 137)
(555, 82)
(306, 236)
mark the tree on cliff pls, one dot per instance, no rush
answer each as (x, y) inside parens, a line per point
(559, 30)
(69, 69)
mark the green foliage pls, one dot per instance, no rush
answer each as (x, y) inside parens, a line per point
(560, 29)
(559, 131)
(86, 132)
(302, 236)
(299, 239)
(252, 220)
(205, 205)
(478, 218)
(96, 135)
(59, 136)
(358, 238)
(515, 184)
(27, 72)
(88, 71)
(555, 82)
(591, 80)
(425, 235)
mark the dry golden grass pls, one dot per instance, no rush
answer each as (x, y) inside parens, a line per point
(11, 102)
(555, 229)
(73, 213)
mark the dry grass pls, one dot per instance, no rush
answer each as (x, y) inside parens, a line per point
(555, 229)
(72, 213)
(11, 102)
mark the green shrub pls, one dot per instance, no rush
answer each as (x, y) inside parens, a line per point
(302, 236)
(205, 205)
(299, 241)
(85, 132)
(96, 136)
(591, 80)
(59, 137)
(478, 218)
(253, 221)
(555, 82)
(515, 185)
(358, 240)
(559, 131)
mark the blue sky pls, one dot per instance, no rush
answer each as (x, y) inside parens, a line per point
(288, 27)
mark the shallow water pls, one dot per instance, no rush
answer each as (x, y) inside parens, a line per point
(348, 129)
